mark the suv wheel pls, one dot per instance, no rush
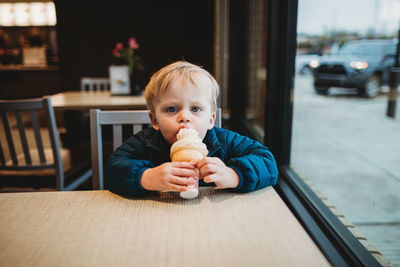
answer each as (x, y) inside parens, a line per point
(321, 90)
(372, 87)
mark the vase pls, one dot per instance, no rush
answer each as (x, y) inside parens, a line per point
(119, 79)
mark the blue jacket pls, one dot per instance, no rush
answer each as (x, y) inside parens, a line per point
(252, 161)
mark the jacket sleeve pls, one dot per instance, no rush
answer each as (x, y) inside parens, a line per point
(125, 167)
(252, 161)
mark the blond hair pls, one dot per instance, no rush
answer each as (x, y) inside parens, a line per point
(162, 80)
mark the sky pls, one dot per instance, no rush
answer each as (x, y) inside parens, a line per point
(317, 16)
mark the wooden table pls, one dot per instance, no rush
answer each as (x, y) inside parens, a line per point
(81, 100)
(75, 105)
(99, 228)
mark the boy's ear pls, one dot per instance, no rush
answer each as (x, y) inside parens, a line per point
(212, 120)
(153, 121)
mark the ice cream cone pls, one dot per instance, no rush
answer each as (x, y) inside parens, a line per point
(188, 147)
(187, 154)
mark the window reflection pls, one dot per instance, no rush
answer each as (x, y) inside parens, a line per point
(256, 77)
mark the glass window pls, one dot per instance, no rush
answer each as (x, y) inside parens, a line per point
(343, 144)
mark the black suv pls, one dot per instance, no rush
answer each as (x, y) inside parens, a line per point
(362, 64)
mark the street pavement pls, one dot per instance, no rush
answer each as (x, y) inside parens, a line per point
(349, 150)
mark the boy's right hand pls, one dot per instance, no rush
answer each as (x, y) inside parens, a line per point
(174, 176)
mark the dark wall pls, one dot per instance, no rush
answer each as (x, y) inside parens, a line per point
(165, 30)
(17, 84)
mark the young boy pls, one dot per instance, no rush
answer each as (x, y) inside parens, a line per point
(183, 95)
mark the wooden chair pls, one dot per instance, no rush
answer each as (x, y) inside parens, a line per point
(117, 119)
(24, 145)
(95, 84)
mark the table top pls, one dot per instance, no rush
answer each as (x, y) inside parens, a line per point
(84, 100)
(99, 228)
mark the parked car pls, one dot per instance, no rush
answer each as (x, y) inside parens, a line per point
(304, 63)
(362, 64)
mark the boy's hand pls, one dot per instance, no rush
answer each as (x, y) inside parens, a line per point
(213, 169)
(174, 176)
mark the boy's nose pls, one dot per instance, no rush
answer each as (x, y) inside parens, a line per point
(184, 116)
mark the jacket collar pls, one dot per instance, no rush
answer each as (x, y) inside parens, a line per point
(212, 141)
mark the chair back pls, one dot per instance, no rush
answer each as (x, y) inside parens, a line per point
(117, 119)
(95, 84)
(22, 141)
(98, 118)
(15, 110)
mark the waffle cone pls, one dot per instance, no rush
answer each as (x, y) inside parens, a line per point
(186, 154)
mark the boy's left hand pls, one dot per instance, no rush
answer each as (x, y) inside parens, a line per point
(214, 170)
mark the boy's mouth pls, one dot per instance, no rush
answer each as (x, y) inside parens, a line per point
(183, 127)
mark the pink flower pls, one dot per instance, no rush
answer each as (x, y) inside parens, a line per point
(119, 46)
(133, 43)
(116, 53)
(127, 54)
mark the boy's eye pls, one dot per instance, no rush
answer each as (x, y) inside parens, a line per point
(195, 109)
(171, 109)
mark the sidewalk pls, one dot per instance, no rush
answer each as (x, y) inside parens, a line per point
(349, 150)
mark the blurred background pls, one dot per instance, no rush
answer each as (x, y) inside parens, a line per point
(79, 40)
(345, 132)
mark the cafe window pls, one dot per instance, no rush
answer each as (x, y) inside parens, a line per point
(262, 105)
(344, 146)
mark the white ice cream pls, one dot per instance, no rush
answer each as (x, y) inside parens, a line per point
(189, 138)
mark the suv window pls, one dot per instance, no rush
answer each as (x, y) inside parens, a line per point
(361, 49)
(391, 49)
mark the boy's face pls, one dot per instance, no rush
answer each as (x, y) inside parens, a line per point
(183, 106)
